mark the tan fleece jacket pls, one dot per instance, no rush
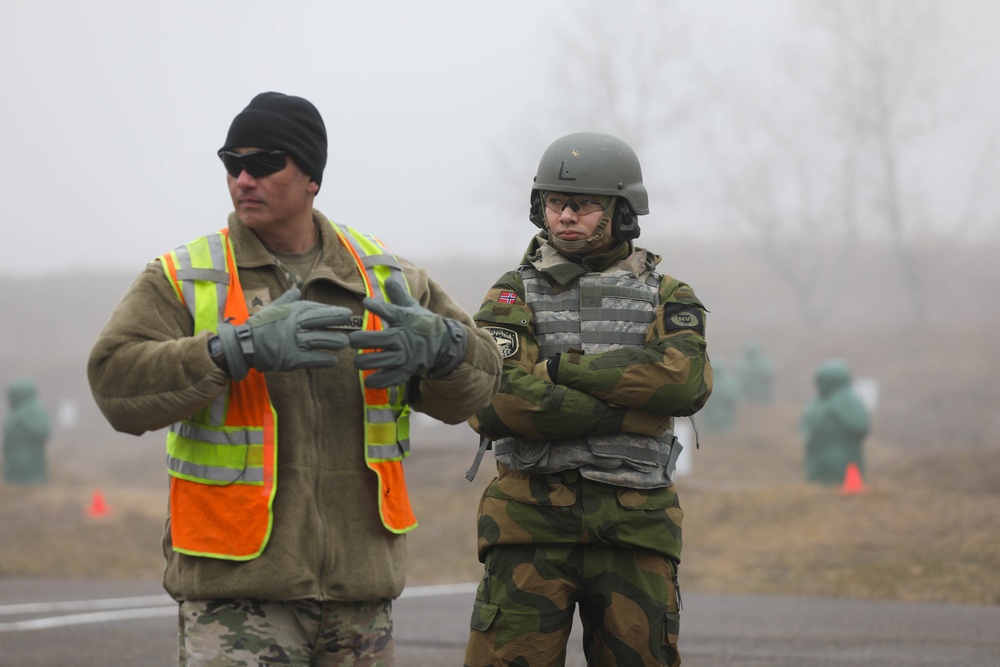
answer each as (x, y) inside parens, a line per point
(147, 370)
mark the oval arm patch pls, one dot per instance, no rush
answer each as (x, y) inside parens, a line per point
(506, 340)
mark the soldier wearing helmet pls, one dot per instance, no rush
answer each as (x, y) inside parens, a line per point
(601, 352)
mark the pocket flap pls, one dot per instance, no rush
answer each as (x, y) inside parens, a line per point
(483, 614)
(532, 489)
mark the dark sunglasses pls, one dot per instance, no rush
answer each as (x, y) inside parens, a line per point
(257, 164)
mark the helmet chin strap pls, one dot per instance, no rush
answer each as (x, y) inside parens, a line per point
(592, 241)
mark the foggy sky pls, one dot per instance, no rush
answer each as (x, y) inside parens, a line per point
(111, 114)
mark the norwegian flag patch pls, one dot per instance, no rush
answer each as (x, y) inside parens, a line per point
(507, 297)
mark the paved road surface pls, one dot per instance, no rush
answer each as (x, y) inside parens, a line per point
(107, 624)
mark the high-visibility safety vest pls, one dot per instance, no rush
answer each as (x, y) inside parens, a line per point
(223, 460)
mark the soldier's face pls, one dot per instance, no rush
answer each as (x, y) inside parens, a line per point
(267, 202)
(574, 223)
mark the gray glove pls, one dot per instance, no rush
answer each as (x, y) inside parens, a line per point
(415, 341)
(284, 335)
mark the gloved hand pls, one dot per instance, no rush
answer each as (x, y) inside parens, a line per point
(284, 335)
(415, 340)
(547, 369)
(552, 367)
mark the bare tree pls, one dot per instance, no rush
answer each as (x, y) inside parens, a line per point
(626, 69)
(868, 85)
(631, 64)
(834, 144)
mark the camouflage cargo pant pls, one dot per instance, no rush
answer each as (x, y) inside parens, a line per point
(306, 633)
(552, 541)
(523, 614)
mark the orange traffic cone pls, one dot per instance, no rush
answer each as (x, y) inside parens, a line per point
(98, 507)
(852, 480)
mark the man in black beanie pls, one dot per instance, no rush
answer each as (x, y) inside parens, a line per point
(284, 354)
(284, 123)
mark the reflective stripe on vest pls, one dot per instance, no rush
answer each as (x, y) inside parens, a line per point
(387, 414)
(215, 456)
(222, 461)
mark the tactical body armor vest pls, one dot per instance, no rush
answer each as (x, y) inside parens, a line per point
(597, 312)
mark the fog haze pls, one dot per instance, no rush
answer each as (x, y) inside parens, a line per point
(115, 110)
(821, 172)
(436, 114)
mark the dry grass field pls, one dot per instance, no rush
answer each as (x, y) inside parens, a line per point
(926, 529)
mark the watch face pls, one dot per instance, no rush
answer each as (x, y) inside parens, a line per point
(215, 347)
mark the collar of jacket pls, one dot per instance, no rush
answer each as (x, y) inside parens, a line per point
(564, 268)
(337, 264)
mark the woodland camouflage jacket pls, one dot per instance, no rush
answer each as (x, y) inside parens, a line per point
(632, 389)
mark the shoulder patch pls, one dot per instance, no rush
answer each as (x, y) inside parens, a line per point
(678, 316)
(506, 340)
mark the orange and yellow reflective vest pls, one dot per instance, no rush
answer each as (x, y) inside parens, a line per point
(223, 460)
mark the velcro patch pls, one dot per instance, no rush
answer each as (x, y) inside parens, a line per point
(353, 324)
(506, 340)
(677, 316)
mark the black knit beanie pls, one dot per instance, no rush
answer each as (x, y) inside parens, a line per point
(274, 121)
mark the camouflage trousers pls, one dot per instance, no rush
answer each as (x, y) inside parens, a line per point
(523, 613)
(300, 633)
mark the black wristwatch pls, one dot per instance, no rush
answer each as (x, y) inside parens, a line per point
(215, 351)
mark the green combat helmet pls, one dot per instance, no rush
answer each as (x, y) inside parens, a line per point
(593, 163)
